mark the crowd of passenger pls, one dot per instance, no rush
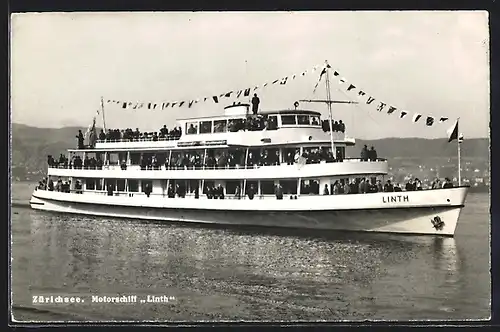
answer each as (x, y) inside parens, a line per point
(60, 186)
(338, 126)
(129, 134)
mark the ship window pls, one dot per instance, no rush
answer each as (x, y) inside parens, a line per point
(272, 122)
(309, 187)
(315, 121)
(110, 182)
(192, 128)
(208, 184)
(120, 185)
(144, 183)
(303, 119)
(122, 156)
(193, 184)
(289, 186)
(231, 187)
(133, 185)
(90, 184)
(249, 184)
(288, 120)
(205, 127)
(267, 187)
(113, 158)
(220, 126)
(135, 158)
(235, 124)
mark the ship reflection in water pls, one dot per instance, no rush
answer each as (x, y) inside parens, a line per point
(228, 274)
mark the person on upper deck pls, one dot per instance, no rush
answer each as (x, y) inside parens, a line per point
(80, 139)
(364, 153)
(255, 104)
(102, 135)
(372, 154)
(341, 126)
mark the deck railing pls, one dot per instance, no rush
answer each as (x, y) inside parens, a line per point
(114, 166)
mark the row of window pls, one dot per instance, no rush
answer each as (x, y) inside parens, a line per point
(222, 126)
(267, 187)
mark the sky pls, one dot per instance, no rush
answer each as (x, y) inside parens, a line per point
(431, 63)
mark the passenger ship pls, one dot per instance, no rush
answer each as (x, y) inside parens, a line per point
(252, 189)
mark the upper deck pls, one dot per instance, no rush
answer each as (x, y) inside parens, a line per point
(238, 128)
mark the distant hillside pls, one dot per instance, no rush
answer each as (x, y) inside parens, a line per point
(31, 145)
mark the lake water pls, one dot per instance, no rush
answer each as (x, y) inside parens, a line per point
(260, 275)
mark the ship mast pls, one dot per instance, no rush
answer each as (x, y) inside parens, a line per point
(329, 102)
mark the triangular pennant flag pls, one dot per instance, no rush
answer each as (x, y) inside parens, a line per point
(284, 81)
(304, 73)
(221, 95)
(335, 73)
(108, 101)
(429, 121)
(264, 85)
(205, 99)
(255, 88)
(181, 103)
(118, 102)
(391, 109)
(173, 104)
(351, 87)
(166, 105)
(129, 103)
(370, 100)
(141, 105)
(247, 92)
(328, 65)
(416, 117)
(162, 106)
(403, 114)
(293, 77)
(443, 119)
(342, 80)
(149, 106)
(154, 106)
(124, 105)
(238, 94)
(228, 94)
(216, 100)
(135, 106)
(361, 93)
(453, 132)
(276, 81)
(380, 106)
(460, 138)
(191, 103)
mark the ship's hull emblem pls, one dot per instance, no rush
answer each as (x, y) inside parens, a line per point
(437, 223)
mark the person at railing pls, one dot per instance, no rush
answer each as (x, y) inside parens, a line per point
(110, 190)
(380, 187)
(219, 192)
(237, 192)
(278, 191)
(102, 135)
(347, 188)
(251, 192)
(170, 191)
(397, 188)
(50, 185)
(78, 187)
(364, 153)
(447, 183)
(436, 184)
(372, 154)
(388, 187)
(326, 191)
(147, 190)
(409, 186)
(80, 139)
(86, 163)
(123, 165)
(180, 190)
(341, 126)
(417, 184)
(361, 186)
(59, 184)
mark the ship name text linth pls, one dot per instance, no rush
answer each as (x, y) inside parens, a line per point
(395, 199)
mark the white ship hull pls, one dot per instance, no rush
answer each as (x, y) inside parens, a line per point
(429, 212)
